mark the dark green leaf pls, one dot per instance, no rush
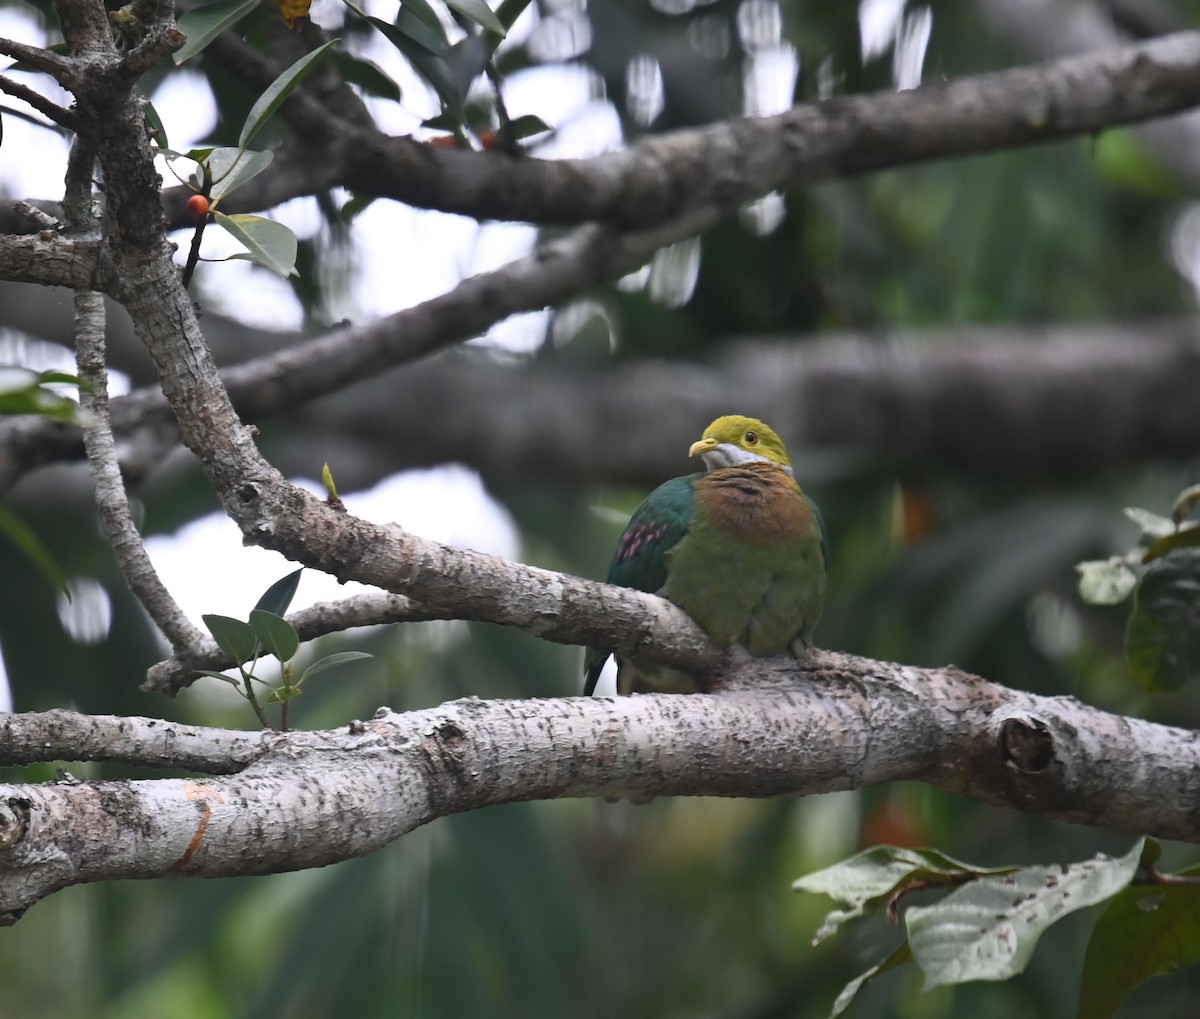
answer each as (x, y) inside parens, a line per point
(900, 956)
(1162, 640)
(509, 11)
(221, 676)
(988, 929)
(442, 122)
(22, 536)
(1185, 537)
(425, 50)
(266, 104)
(466, 60)
(367, 76)
(155, 125)
(279, 595)
(331, 661)
(480, 13)
(275, 634)
(355, 206)
(424, 13)
(528, 126)
(233, 636)
(63, 378)
(1144, 931)
(202, 25)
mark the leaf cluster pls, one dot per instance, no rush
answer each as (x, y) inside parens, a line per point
(989, 923)
(267, 632)
(1162, 639)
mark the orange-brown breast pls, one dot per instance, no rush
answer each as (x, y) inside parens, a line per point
(758, 503)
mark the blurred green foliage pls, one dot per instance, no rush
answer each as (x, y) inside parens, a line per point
(678, 908)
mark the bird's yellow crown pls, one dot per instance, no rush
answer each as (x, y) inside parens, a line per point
(735, 438)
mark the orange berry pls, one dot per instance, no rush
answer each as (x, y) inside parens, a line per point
(487, 139)
(197, 205)
(443, 141)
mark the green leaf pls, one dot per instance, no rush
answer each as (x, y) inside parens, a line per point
(201, 154)
(480, 13)
(1162, 640)
(425, 49)
(988, 929)
(423, 12)
(509, 11)
(155, 125)
(332, 661)
(249, 166)
(202, 25)
(1185, 502)
(266, 104)
(63, 378)
(22, 536)
(527, 126)
(22, 392)
(1151, 852)
(233, 636)
(275, 633)
(1144, 931)
(367, 76)
(268, 243)
(279, 595)
(466, 60)
(355, 206)
(900, 956)
(221, 676)
(1106, 581)
(1152, 525)
(1185, 537)
(868, 879)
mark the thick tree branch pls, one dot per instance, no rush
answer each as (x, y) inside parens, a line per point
(734, 162)
(1046, 29)
(782, 728)
(53, 261)
(53, 111)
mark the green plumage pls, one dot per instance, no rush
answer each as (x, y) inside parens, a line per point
(739, 548)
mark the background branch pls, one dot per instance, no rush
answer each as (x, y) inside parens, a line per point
(1011, 401)
(736, 161)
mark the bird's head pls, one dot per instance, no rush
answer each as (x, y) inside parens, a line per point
(734, 439)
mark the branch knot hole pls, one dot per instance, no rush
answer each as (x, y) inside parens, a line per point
(1027, 744)
(14, 822)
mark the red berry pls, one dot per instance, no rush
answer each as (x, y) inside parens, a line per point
(487, 139)
(443, 141)
(197, 205)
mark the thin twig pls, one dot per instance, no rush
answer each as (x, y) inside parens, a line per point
(63, 117)
(112, 501)
(375, 608)
(38, 59)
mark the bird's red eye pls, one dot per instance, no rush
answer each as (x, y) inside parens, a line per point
(752, 438)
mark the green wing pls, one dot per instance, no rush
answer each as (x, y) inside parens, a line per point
(640, 562)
